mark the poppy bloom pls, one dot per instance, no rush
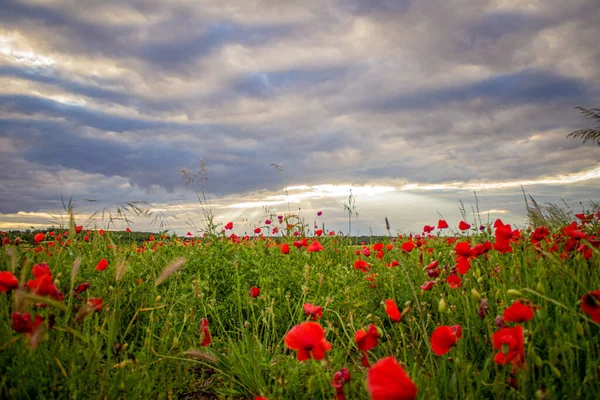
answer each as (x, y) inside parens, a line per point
(8, 281)
(254, 291)
(387, 380)
(518, 312)
(463, 226)
(454, 281)
(285, 248)
(44, 286)
(590, 304)
(82, 287)
(40, 270)
(428, 228)
(362, 265)
(408, 246)
(463, 265)
(315, 312)
(444, 338)
(309, 339)
(229, 226)
(102, 265)
(319, 232)
(510, 343)
(267, 222)
(427, 285)
(340, 378)
(366, 340)
(392, 310)
(314, 247)
(442, 224)
(96, 303)
(433, 264)
(463, 249)
(39, 237)
(257, 230)
(204, 333)
(21, 323)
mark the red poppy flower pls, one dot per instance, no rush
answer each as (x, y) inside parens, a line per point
(309, 339)
(39, 237)
(204, 333)
(267, 222)
(285, 248)
(40, 270)
(315, 312)
(229, 226)
(8, 281)
(314, 247)
(427, 285)
(257, 230)
(454, 281)
(510, 343)
(340, 378)
(463, 249)
(442, 224)
(444, 338)
(463, 265)
(463, 226)
(433, 264)
(428, 228)
(319, 232)
(300, 243)
(366, 340)
(574, 232)
(394, 263)
(387, 380)
(254, 291)
(408, 246)
(96, 303)
(590, 304)
(362, 265)
(21, 323)
(378, 246)
(44, 286)
(392, 310)
(82, 287)
(518, 312)
(102, 265)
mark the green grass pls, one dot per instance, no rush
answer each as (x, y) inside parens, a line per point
(135, 347)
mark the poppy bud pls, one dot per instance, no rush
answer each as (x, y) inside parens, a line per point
(579, 329)
(475, 295)
(480, 279)
(442, 305)
(540, 287)
(514, 292)
(157, 299)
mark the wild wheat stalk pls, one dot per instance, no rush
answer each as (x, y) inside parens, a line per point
(170, 269)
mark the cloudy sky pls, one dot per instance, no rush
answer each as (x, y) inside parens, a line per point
(412, 104)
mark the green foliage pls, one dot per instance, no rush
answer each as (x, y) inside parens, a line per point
(138, 345)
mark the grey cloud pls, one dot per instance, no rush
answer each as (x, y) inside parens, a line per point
(526, 86)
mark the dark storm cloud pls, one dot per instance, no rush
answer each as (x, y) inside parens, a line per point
(342, 91)
(37, 106)
(272, 83)
(527, 86)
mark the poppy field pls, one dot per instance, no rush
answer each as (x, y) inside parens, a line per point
(457, 312)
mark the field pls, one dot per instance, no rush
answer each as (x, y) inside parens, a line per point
(474, 313)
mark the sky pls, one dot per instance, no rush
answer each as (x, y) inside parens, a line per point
(411, 106)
